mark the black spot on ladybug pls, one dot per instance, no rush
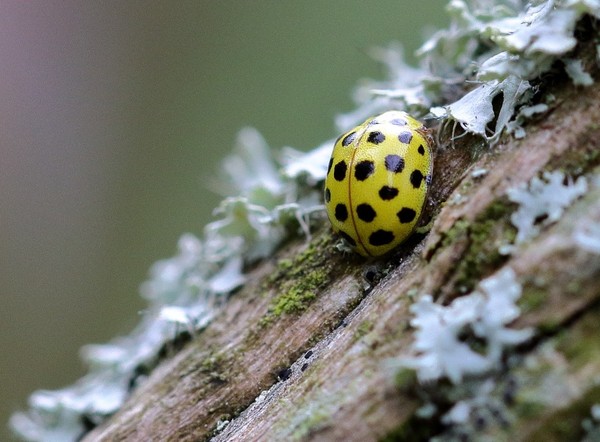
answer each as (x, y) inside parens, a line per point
(329, 165)
(394, 163)
(327, 195)
(308, 354)
(365, 212)
(406, 215)
(415, 178)
(348, 238)
(304, 366)
(364, 170)
(405, 137)
(421, 149)
(339, 171)
(398, 122)
(381, 237)
(348, 139)
(341, 212)
(388, 193)
(376, 137)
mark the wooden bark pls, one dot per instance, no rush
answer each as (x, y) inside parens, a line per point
(318, 369)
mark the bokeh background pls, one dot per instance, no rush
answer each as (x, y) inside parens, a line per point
(114, 119)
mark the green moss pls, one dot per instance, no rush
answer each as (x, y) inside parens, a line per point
(315, 420)
(565, 424)
(580, 344)
(213, 366)
(549, 326)
(459, 229)
(532, 299)
(309, 415)
(413, 430)
(363, 328)
(573, 287)
(541, 399)
(314, 256)
(498, 209)
(579, 161)
(484, 236)
(412, 293)
(405, 379)
(285, 264)
(466, 186)
(528, 409)
(297, 281)
(297, 298)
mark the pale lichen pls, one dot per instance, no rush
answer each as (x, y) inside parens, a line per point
(439, 349)
(543, 199)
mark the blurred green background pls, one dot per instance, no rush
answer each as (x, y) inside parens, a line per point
(114, 119)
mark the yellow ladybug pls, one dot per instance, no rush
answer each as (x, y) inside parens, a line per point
(377, 182)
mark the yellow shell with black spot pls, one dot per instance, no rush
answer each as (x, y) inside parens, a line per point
(377, 182)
